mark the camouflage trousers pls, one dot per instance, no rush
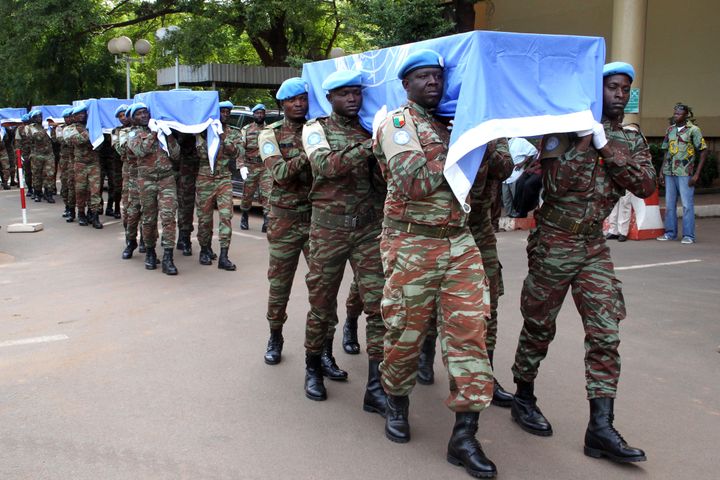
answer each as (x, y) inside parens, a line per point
(556, 263)
(115, 191)
(330, 250)
(27, 170)
(67, 180)
(428, 277)
(4, 164)
(258, 177)
(158, 197)
(287, 239)
(87, 186)
(211, 191)
(132, 207)
(186, 189)
(353, 304)
(43, 172)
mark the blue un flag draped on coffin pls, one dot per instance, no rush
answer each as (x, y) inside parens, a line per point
(496, 84)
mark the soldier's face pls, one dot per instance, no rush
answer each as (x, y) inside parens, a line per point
(616, 93)
(81, 117)
(123, 119)
(224, 115)
(259, 116)
(679, 116)
(141, 117)
(346, 101)
(424, 86)
(296, 108)
(36, 119)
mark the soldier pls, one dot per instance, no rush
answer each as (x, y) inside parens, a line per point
(433, 268)
(353, 310)
(158, 190)
(214, 187)
(289, 219)
(584, 175)
(115, 190)
(186, 191)
(252, 169)
(65, 159)
(22, 142)
(344, 228)
(87, 170)
(130, 193)
(42, 158)
(68, 171)
(4, 161)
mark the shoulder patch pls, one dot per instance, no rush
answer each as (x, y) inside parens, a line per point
(394, 142)
(313, 138)
(268, 143)
(276, 125)
(398, 120)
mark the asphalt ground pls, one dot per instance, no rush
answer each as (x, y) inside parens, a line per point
(138, 375)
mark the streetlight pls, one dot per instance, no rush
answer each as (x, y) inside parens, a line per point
(123, 46)
(162, 33)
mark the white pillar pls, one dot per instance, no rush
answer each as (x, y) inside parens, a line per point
(628, 41)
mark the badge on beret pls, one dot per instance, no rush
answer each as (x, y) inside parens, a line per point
(314, 138)
(399, 120)
(401, 137)
(552, 143)
(268, 148)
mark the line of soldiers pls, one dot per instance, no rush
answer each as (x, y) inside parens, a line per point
(425, 269)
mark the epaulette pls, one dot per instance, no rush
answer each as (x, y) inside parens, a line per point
(276, 125)
(635, 128)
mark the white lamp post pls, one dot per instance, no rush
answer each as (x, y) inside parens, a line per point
(122, 46)
(163, 32)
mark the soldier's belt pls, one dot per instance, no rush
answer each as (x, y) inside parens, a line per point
(279, 212)
(346, 222)
(425, 230)
(572, 226)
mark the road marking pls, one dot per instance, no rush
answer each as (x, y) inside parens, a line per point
(28, 341)
(255, 237)
(663, 264)
(113, 222)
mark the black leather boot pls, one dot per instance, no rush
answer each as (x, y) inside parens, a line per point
(96, 220)
(375, 400)
(501, 397)
(150, 258)
(30, 192)
(397, 427)
(49, 196)
(601, 438)
(525, 412)
(224, 262)
(118, 212)
(204, 258)
(273, 354)
(141, 245)
(314, 386)
(129, 249)
(66, 212)
(350, 339)
(187, 245)
(109, 210)
(168, 267)
(181, 241)
(37, 195)
(244, 221)
(213, 255)
(426, 372)
(71, 215)
(464, 449)
(263, 229)
(82, 218)
(327, 362)
(5, 186)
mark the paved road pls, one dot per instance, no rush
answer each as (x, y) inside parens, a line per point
(145, 376)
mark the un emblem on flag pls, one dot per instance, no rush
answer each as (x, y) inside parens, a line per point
(268, 148)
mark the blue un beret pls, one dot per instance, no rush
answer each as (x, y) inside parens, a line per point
(292, 87)
(342, 78)
(257, 107)
(121, 109)
(32, 113)
(614, 68)
(67, 112)
(420, 59)
(226, 104)
(135, 107)
(25, 117)
(79, 108)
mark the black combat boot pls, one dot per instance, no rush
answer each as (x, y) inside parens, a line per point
(109, 210)
(501, 397)
(426, 372)
(30, 192)
(150, 258)
(397, 428)
(273, 354)
(314, 386)
(37, 195)
(205, 258)
(82, 218)
(5, 184)
(350, 339)
(213, 255)
(375, 399)
(601, 438)
(118, 212)
(130, 247)
(265, 223)
(96, 220)
(244, 221)
(71, 215)
(224, 262)
(141, 245)
(168, 267)
(327, 361)
(525, 412)
(66, 213)
(464, 449)
(187, 244)
(49, 196)
(181, 241)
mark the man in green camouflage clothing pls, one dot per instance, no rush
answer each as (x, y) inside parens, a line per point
(22, 142)
(64, 164)
(186, 191)
(42, 158)
(584, 175)
(158, 190)
(344, 228)
(86, 167)
(252, 169)
(214, 187)
(289, 218)
(433, 268)
(4, 161)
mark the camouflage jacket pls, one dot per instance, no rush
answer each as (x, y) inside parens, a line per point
(227, 153)
(583, 186)
(58, 134)
(342, 163)
(151, 158)
(497, 165)
(119, 140)
(78, 137)
(683, 146)
(281, 150)
(411, 149)
(249, 150)
(22, 140)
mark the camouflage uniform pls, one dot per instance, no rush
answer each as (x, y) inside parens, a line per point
(22, 142)
(289, 217)
(215, 187)
(67, 170)
(353, 304)
(186, 184)
(115, 180)
(345, 227)
(258, 175)
(42, 158)
(432, 264)
(86, 167)
(130, 189)
(64, 164)
(567, 249)
(4, 162)
(156, 182)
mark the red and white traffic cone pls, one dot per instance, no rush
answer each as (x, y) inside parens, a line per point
(23, 227)
(646, 222)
